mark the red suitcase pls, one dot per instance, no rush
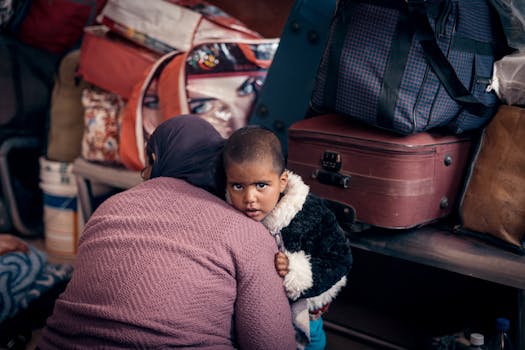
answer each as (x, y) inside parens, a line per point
(390, 181)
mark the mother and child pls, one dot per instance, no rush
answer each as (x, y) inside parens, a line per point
(170, 263)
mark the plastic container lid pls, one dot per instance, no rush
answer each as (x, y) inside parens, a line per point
(477, 339)
(502, 324)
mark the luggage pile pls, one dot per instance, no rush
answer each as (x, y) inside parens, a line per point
(150, 61)
(108, 72)
(401, 96)
(139, 64)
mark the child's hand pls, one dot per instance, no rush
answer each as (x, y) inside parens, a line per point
(317, 313)
(281, 264)
(10, 243)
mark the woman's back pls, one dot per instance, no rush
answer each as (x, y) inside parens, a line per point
(167, 264)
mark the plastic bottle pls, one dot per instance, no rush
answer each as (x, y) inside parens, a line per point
(477, 342)
(501, 340)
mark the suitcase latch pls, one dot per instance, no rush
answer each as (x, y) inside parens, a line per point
(331, 164)
(331, 161)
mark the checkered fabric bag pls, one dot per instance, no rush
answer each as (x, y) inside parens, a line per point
(410, 66)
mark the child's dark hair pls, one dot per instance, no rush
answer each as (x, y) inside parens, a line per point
(252, 143)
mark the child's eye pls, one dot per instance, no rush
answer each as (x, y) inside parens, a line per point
(237, 187)
(261, 185)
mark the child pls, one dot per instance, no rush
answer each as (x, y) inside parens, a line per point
(315, 256)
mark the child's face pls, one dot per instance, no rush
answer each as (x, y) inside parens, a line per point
(255, 187)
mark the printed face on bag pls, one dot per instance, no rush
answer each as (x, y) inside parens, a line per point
(254, 187)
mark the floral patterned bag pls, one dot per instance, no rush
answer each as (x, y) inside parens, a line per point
(102, 115)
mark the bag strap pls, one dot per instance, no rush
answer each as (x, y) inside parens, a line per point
(250, 56)
(285, 95)
(440, 64)
(132, 138)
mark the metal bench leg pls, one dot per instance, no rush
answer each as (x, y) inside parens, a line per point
(85, 196)
(520, 337)
(5, 178)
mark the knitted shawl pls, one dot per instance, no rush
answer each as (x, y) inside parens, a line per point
(166, 264)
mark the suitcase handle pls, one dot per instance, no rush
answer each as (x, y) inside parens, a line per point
(332, 178)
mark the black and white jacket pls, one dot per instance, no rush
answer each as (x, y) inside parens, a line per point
(318, 252)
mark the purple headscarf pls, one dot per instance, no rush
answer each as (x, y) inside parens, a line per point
(188, 147)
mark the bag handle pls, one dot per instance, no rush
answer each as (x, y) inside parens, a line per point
(440, 64)
(132, 139)
(250, 56)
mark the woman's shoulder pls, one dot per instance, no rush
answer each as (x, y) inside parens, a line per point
(156, 200)
(157, 189)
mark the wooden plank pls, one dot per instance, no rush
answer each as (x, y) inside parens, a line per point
(443, 249)
(118, 177)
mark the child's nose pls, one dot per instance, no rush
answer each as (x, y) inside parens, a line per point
(249, 196)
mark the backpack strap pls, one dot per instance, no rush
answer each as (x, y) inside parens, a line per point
(440, 64)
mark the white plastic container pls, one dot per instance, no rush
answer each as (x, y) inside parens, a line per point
(57, 173)
(61, 221)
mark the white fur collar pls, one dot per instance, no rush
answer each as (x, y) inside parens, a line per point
(290, 204)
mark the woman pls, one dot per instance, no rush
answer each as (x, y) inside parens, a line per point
(168, 264)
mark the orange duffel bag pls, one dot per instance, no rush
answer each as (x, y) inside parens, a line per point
(111, 62)
(216, 80)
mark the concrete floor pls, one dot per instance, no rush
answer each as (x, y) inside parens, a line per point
(336, 341)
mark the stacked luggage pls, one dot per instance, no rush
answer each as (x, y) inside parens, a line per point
(141, 64)
(163, 59)
(94, 61)
(401, 95)
(417, 85)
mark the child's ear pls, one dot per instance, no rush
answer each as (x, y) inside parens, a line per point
(283, 181)
(145, 174)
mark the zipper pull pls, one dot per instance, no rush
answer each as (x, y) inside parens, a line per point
(488, 82)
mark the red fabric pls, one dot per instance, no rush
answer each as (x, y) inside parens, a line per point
(132, 146)
(112, 63)
(128, 149)
(171, 89)
(57, 25)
